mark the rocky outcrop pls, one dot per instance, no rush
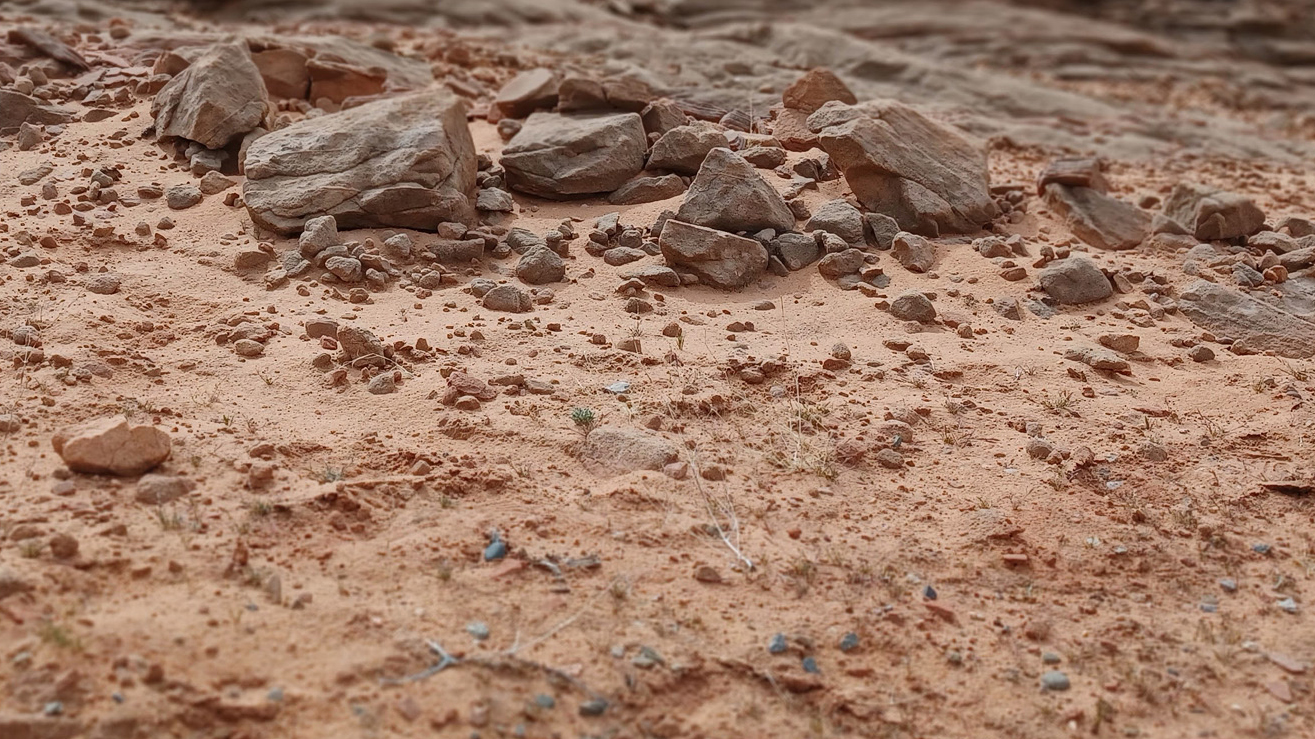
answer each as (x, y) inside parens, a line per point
(407, 161)
(1282, 326)
(569, 155)
(217, 99)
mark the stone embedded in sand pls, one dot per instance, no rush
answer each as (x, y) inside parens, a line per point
(840, 218)
(406, 161)
(719, 259)
(914, 252)
(17, 109)
(361, 346)
(628, 450)
(913, 306)
(181, 197)
(795, 251)
(1098, 358)
(220, 97)
(1074, 281)
(1098, 219)
(920, 172)
(156, 489)
(508, 299)
(540, 266)
(839, 264)
(527, 92)
(683, 149)
(1212, 214)
(1281, 325)
(816, 88)
(567, 155)
(729, 195)
(647, 189)
(112, 446)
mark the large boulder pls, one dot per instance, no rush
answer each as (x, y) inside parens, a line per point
(719, 259)
(1098, 219)
(112, 446)
(1212, 214)
(901, 163)
(1074, 281)
(559, 155)
(407, 162)
(217, 99)
(728, 194)
(1281, 325)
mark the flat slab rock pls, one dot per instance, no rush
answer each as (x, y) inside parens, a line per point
(559, 155)
(628, 450)
(1281, 325)
(1098, 219)
(407, 162)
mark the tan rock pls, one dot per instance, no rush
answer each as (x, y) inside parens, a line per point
(112, 446)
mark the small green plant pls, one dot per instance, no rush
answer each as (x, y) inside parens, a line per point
(585, 420)
(170, 520)
(56, 635)
(1062, 403)
(331, 474)
(260, 508)
(226, 421)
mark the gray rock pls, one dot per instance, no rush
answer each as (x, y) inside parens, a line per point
(795, 250)
(883, 229)
(1279, 243)
(840, 218)
(346, 269)
(567, 155)
(1212, 214)
(218, 98)
(156, 489)
(764, 157)
(838, 264)
(508, 299)
(406, 161)
(361, 344)
(1074, 281)
(654, 274)
(494, 200)
(719, 259)
(382, 384)
(319, 234)
(1282, 325)
(906, 165)
(105, 283)
(912, 305)
(683, 149)
(1247, 276)
(540, 266)
(214, 183)
(527, 92)
(621, 255)
(1098, 219)
(1055, 680)
(181, 197)
(647, 189)
(728, 194)
(914, 252)
(628, 450)
(17, 109)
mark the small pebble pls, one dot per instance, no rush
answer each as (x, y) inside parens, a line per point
(478, 629)
(810, 666)
(929, 593)
(1055, 680)
(849, 642)
(777, 645)
(1228, 584)
(1050, 658)
(495, 550)
(1260, 548)
(593, 707)
(1288, 604)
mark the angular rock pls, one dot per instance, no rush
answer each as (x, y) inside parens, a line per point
(527, 92)
(661, 116)
(361, 344)
(795, 251)
(719, 259)
(728, 194)
(1098, 219)
(840, 218)
(540, 266)
(1212, 214)
(836, 265)
(683, 149)
(508, 299)
(494, 200)
(1072, 173)
(284, 73)
(912, 305)
(217, 99)
(567, 155)
(654, 274)
(647, 189)
(1281, 326)
(908, 166)
(154, 489)
(816, 88)
(628, 450)
(1097, 358)
(112, 446)
(407, 161)
(337, 81)
(17, 109)
(914, 252)
(1074, 281)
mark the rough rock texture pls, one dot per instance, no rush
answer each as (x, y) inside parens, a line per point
(540, 265)
(112, 446)
(217, 99)
(17, 109)
(914, 252)
(1098, 219)
(728, 194)
(912, 305)
(628, 450)
(284, 73)
(1210, 214)
(719, 259)
(407, 161)
(1283, 327)
(817, 88)
(906, 165)
(1074, 281)
(527, 92)
(683, 149)
(840, 218)
(646, 189)
(567, 155)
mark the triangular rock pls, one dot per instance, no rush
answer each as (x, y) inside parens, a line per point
(728, 194)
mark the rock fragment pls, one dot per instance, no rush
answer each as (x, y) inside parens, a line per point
(112, 446)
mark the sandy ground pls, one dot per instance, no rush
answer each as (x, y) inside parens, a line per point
(308, 608)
